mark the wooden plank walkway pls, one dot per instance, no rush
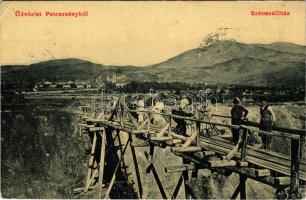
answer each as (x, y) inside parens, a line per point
(269, 160)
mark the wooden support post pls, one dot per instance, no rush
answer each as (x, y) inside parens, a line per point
(121, 151)
(185, 179)
(185, 175)
(193, 182)
(115, 171)
(243, 154)
(242, 186)
(236, 192)
(198, 133)
(139, 184)
(177, 187)
(91, 161)
(163, 192)
(295, 162)
(102, 160)
(132, 119)
(149, 157)
(169, 128)
(151, 168)
(244, 138)
(120, 114)
(149, 122)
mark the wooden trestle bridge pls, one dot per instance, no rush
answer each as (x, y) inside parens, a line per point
(285, 173)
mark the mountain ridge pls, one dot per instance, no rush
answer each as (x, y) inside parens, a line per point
(218, 63)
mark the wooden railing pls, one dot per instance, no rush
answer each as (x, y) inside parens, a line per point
(121, 113)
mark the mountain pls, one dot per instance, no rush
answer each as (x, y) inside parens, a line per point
(230, 62)
(224, 62)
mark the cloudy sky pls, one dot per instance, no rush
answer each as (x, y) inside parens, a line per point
(137, 33)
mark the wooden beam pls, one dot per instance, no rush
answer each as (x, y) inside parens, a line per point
(190, 139)
(162, 131)
(177, 187)
(143, 144)
(295, 166)
(209, 153)
(199, 155)
(179, 168)
(139, 131)
(96, 129)
(163, 192)
(121, 152)
(262, 172)
(189, 149)
(160, 139)
(149, 157)
(285, 180)
(115, 171)
(81, 189)
(173, 142)
(244, 138)
(102, 161)
(272, 181)
(290, 131)
(89, 126)
(82, 124)
(91, 161)
(185, 179)
(134, 158)
(226, 163)
(236, 192)
(91, 180)
(242, 186)
(143, 123)
(177, 136)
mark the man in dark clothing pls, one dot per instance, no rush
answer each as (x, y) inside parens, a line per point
(238, 113)
(181, 124)
(267, 118)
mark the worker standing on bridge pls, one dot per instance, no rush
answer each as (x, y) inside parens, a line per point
(238, 113)
(181, 124)
(266, 121)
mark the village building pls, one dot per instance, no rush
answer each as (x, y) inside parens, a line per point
(53, 86)
(66, 86)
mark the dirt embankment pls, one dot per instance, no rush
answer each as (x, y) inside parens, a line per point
(42, 156)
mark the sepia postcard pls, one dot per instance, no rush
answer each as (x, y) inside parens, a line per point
(153, 99)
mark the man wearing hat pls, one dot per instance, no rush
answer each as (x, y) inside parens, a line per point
(181, 124)
(267, 118)
(238, 113)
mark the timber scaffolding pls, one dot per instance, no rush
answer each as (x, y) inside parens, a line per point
(200, 150)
